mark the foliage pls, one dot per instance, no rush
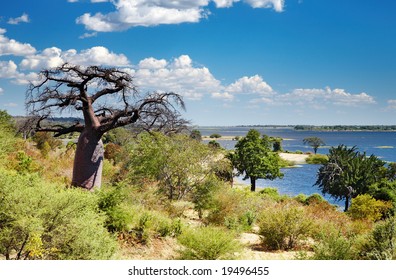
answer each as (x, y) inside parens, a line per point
(349, 173)
(177, 162)
(234, 208)
(214, 144)
(203, 195)
(44, 221)
(119, 136)
(282, 227)
(384, 190)
(272, 193)
(317, 159)
(110, 202)
(113, 152)
(364, 206)
(254, 158)
(380, 242)
(276, 144)
(208, 243)
(45, 139)
(334, 246)
(314, 142)
(215, 135)
(8, 140)
(196, 134)
(223, 169)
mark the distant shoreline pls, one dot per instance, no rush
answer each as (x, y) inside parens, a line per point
(320, 128)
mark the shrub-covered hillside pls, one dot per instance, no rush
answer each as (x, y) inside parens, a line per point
(170, 197)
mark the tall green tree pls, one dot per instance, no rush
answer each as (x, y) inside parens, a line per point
(349, 173)
(314, 142)
(254, 158)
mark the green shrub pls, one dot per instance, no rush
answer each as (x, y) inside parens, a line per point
(317, 159)
(380, 242)
(271, 193)
(215, 135)
(234, 208)
(334, 246)
(40, 138)
(282, 227)
(118, 216)
(44, 221)
(314, 198)
(208, 243)
(366, 207)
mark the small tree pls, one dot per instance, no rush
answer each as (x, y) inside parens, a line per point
(314, 142)
(177, 162)
(106, 98)
(196, 134)
(254, 158)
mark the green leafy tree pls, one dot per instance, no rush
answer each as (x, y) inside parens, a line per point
(254, 158)
(177, 162)
(349, 173)
(7, 134)
(314, 142)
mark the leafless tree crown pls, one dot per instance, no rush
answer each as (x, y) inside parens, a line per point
(106, 97)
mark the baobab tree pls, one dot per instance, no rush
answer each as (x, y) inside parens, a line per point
(106, 98)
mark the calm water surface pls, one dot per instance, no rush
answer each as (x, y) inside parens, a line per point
(302, 179)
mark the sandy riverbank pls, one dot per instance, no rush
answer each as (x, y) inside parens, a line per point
(296, 158)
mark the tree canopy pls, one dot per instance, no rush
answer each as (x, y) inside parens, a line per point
(254, 158)
(349, 173)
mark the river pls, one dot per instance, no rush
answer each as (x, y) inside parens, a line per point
(301, 180)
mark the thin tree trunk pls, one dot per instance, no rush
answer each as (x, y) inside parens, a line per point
(346, 203)
(253, 184)
(88, 161)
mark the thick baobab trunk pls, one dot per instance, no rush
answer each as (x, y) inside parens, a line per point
(88, 161)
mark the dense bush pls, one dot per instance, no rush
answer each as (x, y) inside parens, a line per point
(380, 244)
(233, 208)
(366, 207)
(8, 140)
(215, 135)
(43, 221)
(111, 199)
(44, 140)
(208, 243)
(283, 226)
(334, 246)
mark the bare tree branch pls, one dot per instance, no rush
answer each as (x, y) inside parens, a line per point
(107, 98)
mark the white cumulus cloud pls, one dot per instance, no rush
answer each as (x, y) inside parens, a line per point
(178, 75)
(250, 85)
(53, 57)
(132, 13)
(12, 47)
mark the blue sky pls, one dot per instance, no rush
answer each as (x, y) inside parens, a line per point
(235, 62)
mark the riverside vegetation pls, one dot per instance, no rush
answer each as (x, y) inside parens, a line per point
(171, 197)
